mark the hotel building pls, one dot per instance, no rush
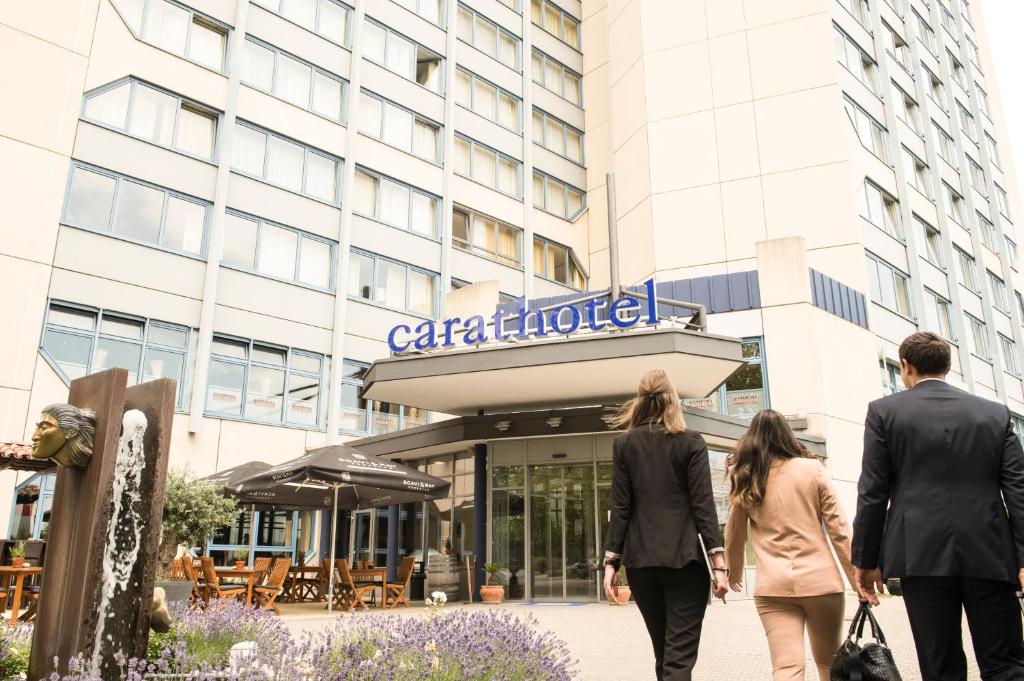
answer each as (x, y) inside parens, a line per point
(248, 195)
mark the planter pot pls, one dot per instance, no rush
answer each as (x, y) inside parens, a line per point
(624, 594)
(17, 562)
(176, 590)
(492, 593)
(239, 564)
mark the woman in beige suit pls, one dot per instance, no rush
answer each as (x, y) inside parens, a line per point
(786, 495)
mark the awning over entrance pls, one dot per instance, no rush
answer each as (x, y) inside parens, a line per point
(588, 369)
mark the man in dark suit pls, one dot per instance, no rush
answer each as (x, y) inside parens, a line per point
(941, 506)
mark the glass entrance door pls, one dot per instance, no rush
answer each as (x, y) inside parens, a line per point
(563, 550)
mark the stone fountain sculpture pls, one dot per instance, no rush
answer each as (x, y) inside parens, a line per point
(111, 444)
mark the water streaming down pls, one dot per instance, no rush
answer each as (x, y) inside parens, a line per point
(124, 530)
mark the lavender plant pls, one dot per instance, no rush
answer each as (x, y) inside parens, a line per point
(15, 645)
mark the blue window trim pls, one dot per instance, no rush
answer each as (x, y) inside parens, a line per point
(293, 539)
(46, 482)
(182, 100)
(112, 218)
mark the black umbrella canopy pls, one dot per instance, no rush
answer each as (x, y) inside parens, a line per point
(363, 481)
(296, 497)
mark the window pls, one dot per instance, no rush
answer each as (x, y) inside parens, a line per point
(1011, 360)
(556, 21)
(263, 382)
(745, 391)
(1003, 202)
(284, 163)
(556, 262)
(155, 116)
(1011, 252)
(859, 9)
(856, 60)
(937, 314)
(487, 166)
(968, 270)
(428, 9)
(392, 284)
(394, 203)
(80, 341)
(997, 288)
(177, 29)
(972, 52)
(983, 100)
(328, 18)
(488, 37)
(487, 237)
(917, 172)
(956, 69)
(931, 242)
(936, 90)
(892, 383)
(977, 336)
(967, 122)
(556, 197)
(130, 209)
(557, 136)
(267, 248)
(881, 210)
(557, 77)
(993, 150)
(297, 82)
(889, 286)
(989, 235)
(1017, 423)
(402, 56)
(907, 109)
(870, 132)
(954, 204)
(399, 127)
(948, 22)
(926, 34)
(977, 175)
(486, 99)
(896, 45)
(944, 143)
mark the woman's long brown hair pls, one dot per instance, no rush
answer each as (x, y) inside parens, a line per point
(656, 400)
(769, 438)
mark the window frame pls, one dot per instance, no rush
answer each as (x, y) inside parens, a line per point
(476, 15)
(369, 405)
(566, 127)
(567, 188)
(435, 234)
(887, 200)
(939, 301)
(544, 57)
(438, 144)
(300, 234)
(1009, 354)
(376, 258)
(927, 232)
(968, 270)
(473, 145)
(350, 11)
(571, 263)
(859, 113)
(870, 79)
(314, 70)
(945, 145)
(998, 292)
(390, 31)
(473, 248)
(194, 15)
(920, 169)
(307, 151)
(988, 233)
(978, 330)
(565, 16)
(893, 271)
(499, 91)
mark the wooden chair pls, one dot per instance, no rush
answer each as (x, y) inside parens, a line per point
(323, 574)
(216, 590)
(188, 571)
(261, 566)
(397, 591)
(348, 594)
(267, 594)
(304, 588)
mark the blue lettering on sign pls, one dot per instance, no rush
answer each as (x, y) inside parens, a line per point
(624, 312)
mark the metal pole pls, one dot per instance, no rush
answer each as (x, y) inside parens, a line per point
(252, 534)
(613, 237)
(334, 539)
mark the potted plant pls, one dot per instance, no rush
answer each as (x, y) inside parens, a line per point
(364, 560)
(624, 592)
(18, 553)
(492, 592)
(241, 557)
(192, 512)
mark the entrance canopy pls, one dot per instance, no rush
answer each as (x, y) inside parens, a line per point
(587, 369)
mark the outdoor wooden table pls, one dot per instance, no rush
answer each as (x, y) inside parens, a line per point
(372, 575)
(234, 573)
(296, 573)
(8, 574)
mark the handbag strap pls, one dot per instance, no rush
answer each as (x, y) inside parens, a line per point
(857, 623)
(876, 628)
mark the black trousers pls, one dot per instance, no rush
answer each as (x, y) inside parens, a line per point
(672, 602)
(935, 606)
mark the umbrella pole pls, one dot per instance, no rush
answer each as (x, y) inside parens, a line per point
(252, 534)
(334, 539)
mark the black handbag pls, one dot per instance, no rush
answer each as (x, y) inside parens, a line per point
(871, 661)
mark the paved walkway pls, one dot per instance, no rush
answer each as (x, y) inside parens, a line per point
(611, 643)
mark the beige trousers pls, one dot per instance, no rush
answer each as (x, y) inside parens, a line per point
(784, 620)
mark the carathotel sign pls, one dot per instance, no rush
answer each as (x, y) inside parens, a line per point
(562, 320)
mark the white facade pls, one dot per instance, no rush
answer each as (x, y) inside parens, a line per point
(248, 189)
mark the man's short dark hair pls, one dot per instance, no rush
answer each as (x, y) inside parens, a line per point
(927, 353)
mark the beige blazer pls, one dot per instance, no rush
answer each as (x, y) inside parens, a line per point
(793, 555)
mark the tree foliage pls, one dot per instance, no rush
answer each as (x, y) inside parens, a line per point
(194, 510)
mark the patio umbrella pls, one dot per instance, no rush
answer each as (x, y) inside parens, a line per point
(356, 480)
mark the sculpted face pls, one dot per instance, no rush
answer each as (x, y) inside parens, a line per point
(48, 438)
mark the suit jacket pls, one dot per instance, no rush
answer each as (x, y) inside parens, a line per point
(661, 498)
(793, 555)
(941, 490)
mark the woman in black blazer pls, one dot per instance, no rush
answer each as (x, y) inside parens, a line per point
(661, 500)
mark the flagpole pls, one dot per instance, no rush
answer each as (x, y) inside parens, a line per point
(334, 538)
